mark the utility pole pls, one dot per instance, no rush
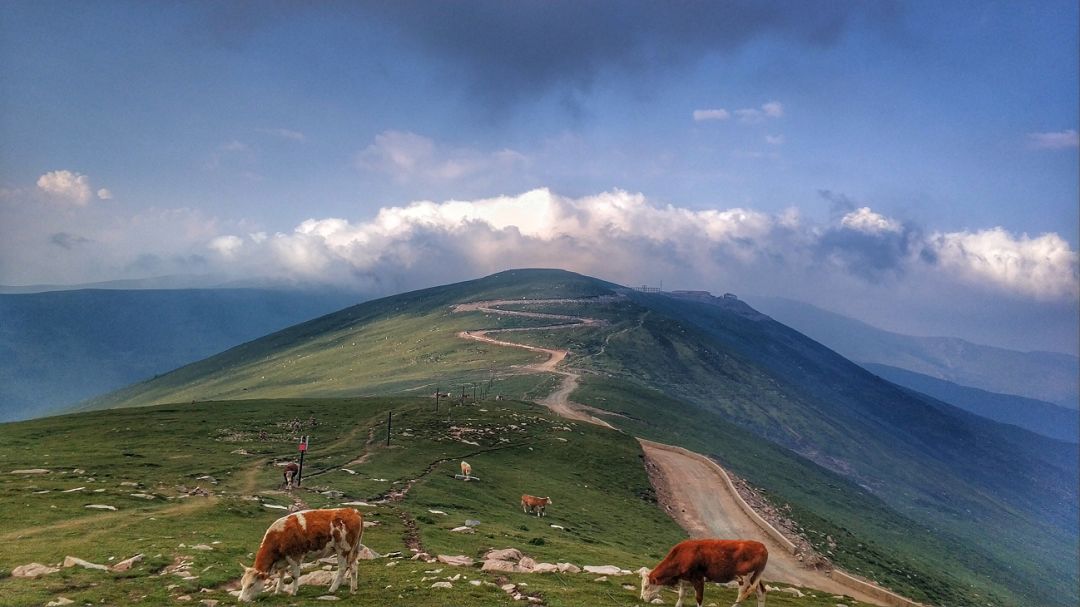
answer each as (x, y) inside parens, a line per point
(303, 449)
(389, 419)
(436, 399)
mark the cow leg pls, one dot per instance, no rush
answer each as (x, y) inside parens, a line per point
(295, 575)
(682, 589)
(342, 571)
(760, 594)
(749, 583)
(699, 590)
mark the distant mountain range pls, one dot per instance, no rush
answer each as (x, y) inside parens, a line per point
(1046, 376)
(1038, 416)
(925, 496)
(61, 347)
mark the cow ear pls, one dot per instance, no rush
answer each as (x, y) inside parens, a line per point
(242, 566)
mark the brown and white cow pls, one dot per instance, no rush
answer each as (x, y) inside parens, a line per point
(466, 469)
(292, 469)
(694, 562)
(308, 533)
(538, 505)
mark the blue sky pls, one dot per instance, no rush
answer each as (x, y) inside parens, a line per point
(912, 164)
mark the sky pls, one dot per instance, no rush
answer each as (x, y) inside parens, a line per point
(910, 164)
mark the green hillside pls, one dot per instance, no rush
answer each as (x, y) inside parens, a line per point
(144, 461)
(934, 502)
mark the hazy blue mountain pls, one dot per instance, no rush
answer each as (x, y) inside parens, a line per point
(57, 348)
(1048, 376)
(1038, 416)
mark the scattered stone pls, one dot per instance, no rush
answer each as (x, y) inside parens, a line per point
(43, 491)
(209, 602)
(207, 477)
(455, 561)
(442, 585)
(568, 568)
(184, 597)
(349, 471)
(463, 529)
(202, 547)
(792, 591)
(475, 582)
(545, 568)
(100, 507)
(31, 471)
(128, 484)
(437, 512)
(58, 602)
(603, 569)
(126, 564)
(327, 597)
(497, 565)
(276, 507)
(527, 563)
(71, 561)
(371, 524)
(78, 471)
(145, 496)
(367, 554)
(73, 490)
(356, 504)
(32, 570)
(506, 554)
(317, 578)
(333, 493)
(602, 578)
(240, 452)
(558, 527)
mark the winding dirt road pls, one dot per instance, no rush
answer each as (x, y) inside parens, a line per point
(697, 496)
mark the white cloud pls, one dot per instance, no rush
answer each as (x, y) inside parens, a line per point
(869, 222)
(234, 146)
(407, 156)
(104, 194)
(774, 139)
(1045, 267)
(67, 186)
(712, 114)
(1054, 141)
(770, 110)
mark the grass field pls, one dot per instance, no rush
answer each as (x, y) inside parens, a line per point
(606, 508)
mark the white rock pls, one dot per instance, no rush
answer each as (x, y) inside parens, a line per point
(100, 507)
(32, 570)
(317, 578)
(602, 578)
(71, 561)
(463, 529)
(568, 568)
(202, 547)
(437, 512)
(73, 490)
(31, 471)
(506, 554)
(367, 554)
(558, 527)
(58, 602)
(457, 561)
(276, 507)
(327, 597)
(603, 569)
(497, 565)
(545, 568)
(126, 564)
(526, 563)
(442, 585)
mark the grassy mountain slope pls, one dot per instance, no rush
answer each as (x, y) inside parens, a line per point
(63, 347)
(607, 510)
(1038, 416)
(929, 480)
(950, 359)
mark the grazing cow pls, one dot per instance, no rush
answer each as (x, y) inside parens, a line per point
(466, 469)
(538, 505)
(314, 533)
(292, 469)
(694, 562)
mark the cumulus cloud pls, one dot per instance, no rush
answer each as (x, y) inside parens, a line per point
(406, 156)
(713, 114)
(104, 194)
(618, 234)
(1054, 141)
(1044, 267)
(66, 186)
(774, 139)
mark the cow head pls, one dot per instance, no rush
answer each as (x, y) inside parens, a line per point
(252, 583)
(548, 500)
(649, 590)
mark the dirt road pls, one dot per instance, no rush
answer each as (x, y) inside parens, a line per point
(700, 501)
(694, 489)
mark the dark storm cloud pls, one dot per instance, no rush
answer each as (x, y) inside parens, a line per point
(510, 50)
(872, 256)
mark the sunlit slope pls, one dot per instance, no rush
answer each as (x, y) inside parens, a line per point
(400, 343)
